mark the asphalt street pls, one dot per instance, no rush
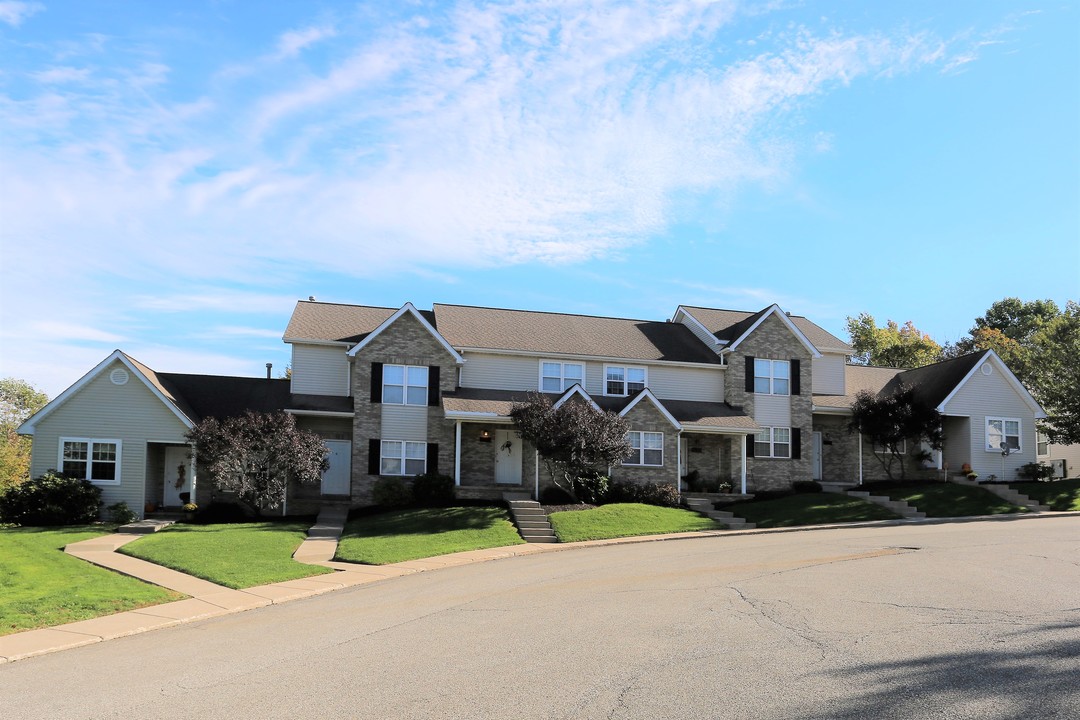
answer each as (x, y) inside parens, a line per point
(966, 620)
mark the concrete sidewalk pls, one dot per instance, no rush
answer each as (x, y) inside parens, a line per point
(208, 599)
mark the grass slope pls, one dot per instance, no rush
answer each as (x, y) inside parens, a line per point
(237, 555)
(419, 533)
(626, 520)
(809, 509)
(1061, 495)
(949, 500)
(40, 586)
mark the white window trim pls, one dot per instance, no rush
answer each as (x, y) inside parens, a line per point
(405, 384)
(401, 457)
(641, 449)
(772, 444)
(563, 387)
(1042, 438)
(772, 376)
(626, 371)
(882, 450)
(1019, 433)
(90, 442)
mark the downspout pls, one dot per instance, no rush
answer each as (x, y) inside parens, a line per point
(457, 453)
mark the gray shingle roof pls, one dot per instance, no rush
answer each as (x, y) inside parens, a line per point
(544, 332)
(728, 325)
(933, 383)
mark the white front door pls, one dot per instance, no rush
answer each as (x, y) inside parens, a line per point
(336, 479)
(817, 456)
(507, 457)
(177, 475)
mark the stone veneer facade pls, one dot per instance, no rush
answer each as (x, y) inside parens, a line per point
(647, 418)
(773, 340)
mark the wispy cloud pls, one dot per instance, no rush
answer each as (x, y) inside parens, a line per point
(14, 13)
(292, 43)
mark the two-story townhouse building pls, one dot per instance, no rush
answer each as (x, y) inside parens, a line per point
(757, 399)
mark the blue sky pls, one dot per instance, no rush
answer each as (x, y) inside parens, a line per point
(175, 175)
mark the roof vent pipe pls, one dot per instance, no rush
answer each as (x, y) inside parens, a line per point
(269, 368)
(311, 298)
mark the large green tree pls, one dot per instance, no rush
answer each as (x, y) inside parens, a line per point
(892, 345)
(1010, 328)
(18, 401)
(1054, 374)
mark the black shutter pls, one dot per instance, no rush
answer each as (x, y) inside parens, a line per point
(376, 382)
(433, 385)
(749, 446)
(796, 384)
(433, 458)
(749, 373)
(796, 444)
(373, 453)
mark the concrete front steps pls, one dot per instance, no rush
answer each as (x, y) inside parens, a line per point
(899, 507)
(705, 507)
(1006, 493)
(531, 520)
(146, 527)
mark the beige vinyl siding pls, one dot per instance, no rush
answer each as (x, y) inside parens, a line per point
(828, 378)
(404, 422)
(594, 378)
(772, 410)
(703, 335)
(101, 410)
(320, 370)
(985, 396)
(500, 372)
(684, 383)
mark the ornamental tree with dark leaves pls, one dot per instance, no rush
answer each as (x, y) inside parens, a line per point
(574, 439)
(256, 454)
(892, 420)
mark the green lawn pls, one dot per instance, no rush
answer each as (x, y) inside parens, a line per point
(419, 533)
(40, 586)
(1061, 495)
(236, 555)
(948, 499)
(809, 509)
(625, 520)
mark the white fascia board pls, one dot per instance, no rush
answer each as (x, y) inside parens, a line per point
(27, 428)
(647, 393)
(576, 389)
(717, 430)
(591, 358)
(829, 410)
(320, 413)
(1018, 386)
(693, 320)
(408, 308)
(775, 310)
(475, 416)
(310, 341)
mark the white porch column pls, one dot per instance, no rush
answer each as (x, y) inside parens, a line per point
(678, 463)
(536, 475)
(742, 470)
(457, 453)
(860, 456)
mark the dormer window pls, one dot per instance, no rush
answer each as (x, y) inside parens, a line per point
(624, 379)
(556, 377)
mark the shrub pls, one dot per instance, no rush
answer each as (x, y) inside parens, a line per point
(592, 488)
(391, 492)
(433, 490)
(555, 495)
(222, 513)
(189, 507)
(806, 486)
(1035, 471)
(120, 513)
(51, 499)
(662, 494)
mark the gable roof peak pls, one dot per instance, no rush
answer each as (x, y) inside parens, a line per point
(408, 308)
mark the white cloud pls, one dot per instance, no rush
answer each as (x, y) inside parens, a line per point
(293, 42)
(62, 74)
(13, 12)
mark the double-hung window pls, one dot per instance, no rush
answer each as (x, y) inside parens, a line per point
(624, 379)
(646, 448)
(95, 460)
(1042, 444)
(556, 377)
(772, 377)
(773, 442)
(405, 385)
(1002, 430)
(401, 457)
